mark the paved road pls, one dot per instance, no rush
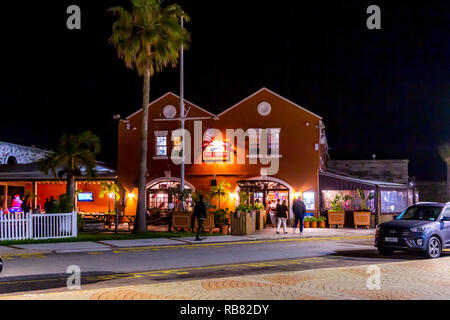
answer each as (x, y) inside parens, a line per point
(147, 265)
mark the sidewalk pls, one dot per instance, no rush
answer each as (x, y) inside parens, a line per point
(405, 280)
(108, 245)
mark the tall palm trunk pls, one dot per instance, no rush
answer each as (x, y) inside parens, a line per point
(141, 223)
(70, 190)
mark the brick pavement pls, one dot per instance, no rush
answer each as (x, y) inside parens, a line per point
(418, 279)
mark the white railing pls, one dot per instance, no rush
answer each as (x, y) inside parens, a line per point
(38, 226)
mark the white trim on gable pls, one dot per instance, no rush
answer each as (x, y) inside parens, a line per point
(173, 94)
(275, 94)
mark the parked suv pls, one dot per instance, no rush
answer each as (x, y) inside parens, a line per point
(423, 227)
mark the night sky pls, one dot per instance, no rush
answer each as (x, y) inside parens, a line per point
(379, 91)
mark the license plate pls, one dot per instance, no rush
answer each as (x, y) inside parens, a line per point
(389, 239)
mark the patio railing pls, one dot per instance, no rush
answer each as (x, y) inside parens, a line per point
(38, 226)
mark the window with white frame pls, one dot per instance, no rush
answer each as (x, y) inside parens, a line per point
(160, 143)
(273, 141)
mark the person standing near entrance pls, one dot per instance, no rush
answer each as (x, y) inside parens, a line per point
(281, 216)
(200, 214)
(299, 209)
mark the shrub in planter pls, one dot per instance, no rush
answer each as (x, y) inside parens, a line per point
(361, 217)
(321, 222)
(336, 216)
(307, 222)
(313, 222)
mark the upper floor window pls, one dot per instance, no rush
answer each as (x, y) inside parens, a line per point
(161, 146)
(161, 143)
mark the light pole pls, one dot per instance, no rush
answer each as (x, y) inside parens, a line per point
(116, 222)
(182, 116)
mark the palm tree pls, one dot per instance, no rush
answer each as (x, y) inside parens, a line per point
(112, 190)
(73, 154)
(220, 190)
(148, 38)
(444, 151)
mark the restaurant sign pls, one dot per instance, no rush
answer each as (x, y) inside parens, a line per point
(216, 151)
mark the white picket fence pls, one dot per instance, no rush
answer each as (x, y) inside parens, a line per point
(38, 226)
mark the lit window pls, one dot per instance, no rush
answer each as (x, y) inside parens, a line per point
(273, 141)
(253, 141)
(176, 141)
(309, 200)
(161, 146)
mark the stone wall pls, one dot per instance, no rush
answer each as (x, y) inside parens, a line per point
(383, 170)
(20, 154)
(432, 191)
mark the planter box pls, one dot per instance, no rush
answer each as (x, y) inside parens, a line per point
(181, 221)
(208, 223)
(313, 224)
(336, 218)
(243, 225)
(93, 226)
(260, 218)
(321, 224)
(362, 218)
(306, 224)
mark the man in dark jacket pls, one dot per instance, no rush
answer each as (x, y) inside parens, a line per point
(299, 209)
(200, 214)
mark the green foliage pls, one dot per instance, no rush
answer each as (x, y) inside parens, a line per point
(244, 196)
(243, 207)
(149, 37)
(180, 195)
(257, 206)
(363, 198)
(80, 221)
(73, 154)
(337, 202)
(219, 191)
(321, 219)
(108, 189)
(220, 216)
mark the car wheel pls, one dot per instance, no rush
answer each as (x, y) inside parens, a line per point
(385, 251)
(434, 248)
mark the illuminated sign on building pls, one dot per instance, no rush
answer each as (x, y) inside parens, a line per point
(216, 151)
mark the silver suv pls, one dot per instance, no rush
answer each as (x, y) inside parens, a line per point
(423, 227)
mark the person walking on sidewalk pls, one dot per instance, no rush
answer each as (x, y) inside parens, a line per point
(200, 214)
(299, 209)
(281, 216)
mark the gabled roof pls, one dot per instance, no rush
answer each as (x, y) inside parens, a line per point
(273, 93)
(174, 95)
(235, 105)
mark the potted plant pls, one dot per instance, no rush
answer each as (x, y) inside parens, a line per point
(313, 222)
(361, 217)
(220, 219)
(307, 222)
(336, 216)
(321, 221)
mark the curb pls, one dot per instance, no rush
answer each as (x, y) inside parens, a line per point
(183, 242)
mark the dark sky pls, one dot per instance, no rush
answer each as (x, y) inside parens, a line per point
(384, 91)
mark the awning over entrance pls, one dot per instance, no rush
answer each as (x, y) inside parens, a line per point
(259, 185)
(331, 181)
